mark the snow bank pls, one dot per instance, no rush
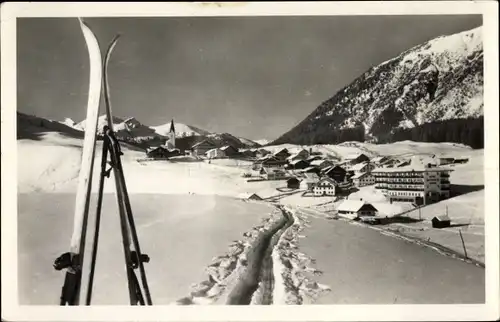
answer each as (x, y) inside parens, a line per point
(291, 268)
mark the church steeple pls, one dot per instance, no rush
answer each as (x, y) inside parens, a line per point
(172, 127)
(171, 136)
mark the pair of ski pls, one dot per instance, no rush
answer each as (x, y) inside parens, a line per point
(73, 260)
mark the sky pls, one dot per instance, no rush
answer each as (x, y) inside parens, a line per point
(254, 77)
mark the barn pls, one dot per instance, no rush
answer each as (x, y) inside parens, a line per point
(215, 153)
(229, 151)
(322, 164)
(441, 222)
(201, 148)
(356, 208)
(298, 164)
(356, 158)
(162, 152)
(362, 179)
(337, 173)
(309, 181)
(293, 183)
(282, 154)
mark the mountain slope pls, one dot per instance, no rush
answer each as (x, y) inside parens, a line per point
(33, 127)
(181, 130)
(128, 130)
(441, 79)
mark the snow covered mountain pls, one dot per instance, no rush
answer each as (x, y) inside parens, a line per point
(69, 122)
(262, 141)
(128, 130)
(34, 127)
(181, 130)
(441, 79)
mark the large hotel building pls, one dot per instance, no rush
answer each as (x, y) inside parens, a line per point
(416, 183)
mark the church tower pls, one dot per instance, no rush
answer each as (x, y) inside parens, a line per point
(171, 136)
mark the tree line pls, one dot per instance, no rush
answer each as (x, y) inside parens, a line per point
(469, 131)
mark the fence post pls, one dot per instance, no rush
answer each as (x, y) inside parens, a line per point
(463, 243)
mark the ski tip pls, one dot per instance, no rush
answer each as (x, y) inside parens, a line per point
(83, 23)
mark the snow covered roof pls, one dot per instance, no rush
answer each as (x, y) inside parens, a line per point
(352, 205)
(333, 167)
(378, 159)
(319, 162)
(359, 175)
(203, 142)
(224, 148)
(353, 156)
(248, 195)
(294, 162)
(359, 166)
(414, 167)
(311, 178)
(442, 218)
(154, 148)
(329, 180)
(281, 150)
(212, 150)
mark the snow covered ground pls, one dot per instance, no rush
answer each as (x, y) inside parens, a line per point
(403, 148)
(189, 212)
(181, 234)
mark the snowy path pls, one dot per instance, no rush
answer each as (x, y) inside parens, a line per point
(361, 266)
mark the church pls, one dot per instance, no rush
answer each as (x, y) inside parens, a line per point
(165, 151)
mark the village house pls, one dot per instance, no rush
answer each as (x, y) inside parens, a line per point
(229, 151)
(441, 221)
(378, 161)
(214, 153)
(362, 167)
(355, 209)
(325, 187)
(312, 170)
(402, 163)
(262, 152)
(293, 183)
(161, 152)
(309, 181)
(249, 153)
(201, 148)
(336, 172)
(356, 158)
(298, 164)
(273, 174)
(282, 154)
(303, 154)
(445, 161)
(313, 157)
(251, 196)
(271, 161)
(461, 160)
(362, 179)
(417, 183)
(322, 164)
